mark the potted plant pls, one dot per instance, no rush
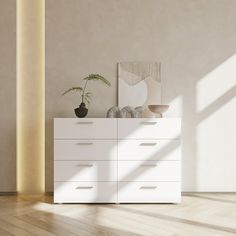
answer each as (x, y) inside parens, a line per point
(82, 111)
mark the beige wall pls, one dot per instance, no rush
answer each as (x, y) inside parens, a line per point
(195, 41)
(8, 96)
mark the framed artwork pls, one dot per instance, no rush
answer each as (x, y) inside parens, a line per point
(139, 83)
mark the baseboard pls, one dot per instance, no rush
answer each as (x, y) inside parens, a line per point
(15, 193)
(8, 193)
(206, 192)
(51, 193)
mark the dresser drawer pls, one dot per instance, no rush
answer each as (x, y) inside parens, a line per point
(85, 192)
(149, 192)
(152, 149)
(149, 170)
(85, 149)
(85, 128)
(85, 171)
(155, 128)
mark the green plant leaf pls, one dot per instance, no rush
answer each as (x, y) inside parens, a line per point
(89, 93)
(97, 77)
(75, 89)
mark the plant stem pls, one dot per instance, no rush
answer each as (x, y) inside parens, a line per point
(84, 90)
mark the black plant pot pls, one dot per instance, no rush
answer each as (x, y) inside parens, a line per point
(81, 111)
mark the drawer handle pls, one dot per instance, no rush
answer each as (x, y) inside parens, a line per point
(148, 187)
(84, 144)
(148, 144)
(84, 122)
(84, 165)
(149, 122)
(149, 165)
(84, 187)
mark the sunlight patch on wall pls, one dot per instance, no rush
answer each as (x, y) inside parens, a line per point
(215, 124)
(176, 107)
(217, 83)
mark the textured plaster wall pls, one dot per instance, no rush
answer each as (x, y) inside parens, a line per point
(8, 96)
(194, 40)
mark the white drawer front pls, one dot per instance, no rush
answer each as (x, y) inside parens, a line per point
(163, 128)
(85, 171)
(149, 170)
(149, 149)
(85, 149)
(85, 192)
(85, 128)
(149, 192)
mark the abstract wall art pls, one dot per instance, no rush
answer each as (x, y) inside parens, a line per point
(139, 83)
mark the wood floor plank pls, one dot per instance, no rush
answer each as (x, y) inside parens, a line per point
(13, 230)
(80, 226)
(198, 215)
(147, 224)
(28, 227)
(49, 226)
(4, 232)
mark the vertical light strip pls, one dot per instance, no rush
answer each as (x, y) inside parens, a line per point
(30, 96)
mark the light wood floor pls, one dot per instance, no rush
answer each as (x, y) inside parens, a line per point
(198, 215)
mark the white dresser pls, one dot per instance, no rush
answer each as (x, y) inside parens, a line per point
(124, 160)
